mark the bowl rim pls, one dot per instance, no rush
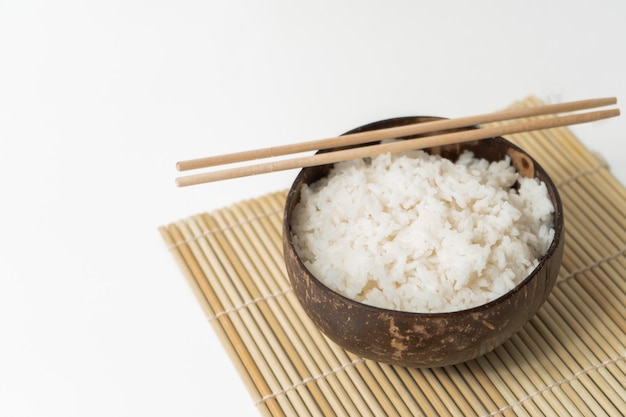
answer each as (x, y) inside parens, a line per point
(554, 245)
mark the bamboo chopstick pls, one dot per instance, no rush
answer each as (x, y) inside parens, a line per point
(395, 132)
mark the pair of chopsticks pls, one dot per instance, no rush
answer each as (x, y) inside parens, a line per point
(436, 126)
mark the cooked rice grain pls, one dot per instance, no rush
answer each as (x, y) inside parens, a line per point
(418, 232)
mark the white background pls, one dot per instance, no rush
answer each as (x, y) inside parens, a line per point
(99, 99)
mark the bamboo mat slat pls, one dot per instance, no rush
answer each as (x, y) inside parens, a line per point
(568, 360)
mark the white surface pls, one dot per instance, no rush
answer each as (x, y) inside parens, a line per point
(98, 100)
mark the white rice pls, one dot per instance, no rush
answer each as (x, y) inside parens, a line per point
(417, 232)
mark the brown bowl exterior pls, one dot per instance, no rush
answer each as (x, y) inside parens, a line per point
(425, 339)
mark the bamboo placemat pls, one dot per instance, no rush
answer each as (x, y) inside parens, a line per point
(568, 360)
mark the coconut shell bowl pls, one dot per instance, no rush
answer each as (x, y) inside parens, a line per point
(426, 340)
